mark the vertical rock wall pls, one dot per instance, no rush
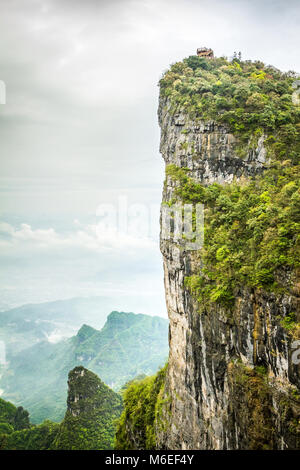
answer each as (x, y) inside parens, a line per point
(219, 396)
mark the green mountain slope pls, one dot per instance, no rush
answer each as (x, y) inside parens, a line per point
(38, 437)
(128, 345)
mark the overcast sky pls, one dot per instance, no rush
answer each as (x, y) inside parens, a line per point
(79, 129)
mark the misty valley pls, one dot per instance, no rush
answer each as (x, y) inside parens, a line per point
(41, 349)
(149, 230)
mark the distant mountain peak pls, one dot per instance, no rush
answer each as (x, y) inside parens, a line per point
(85, 332)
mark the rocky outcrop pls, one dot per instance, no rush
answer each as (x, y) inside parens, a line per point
(231, 381)
(92, 410)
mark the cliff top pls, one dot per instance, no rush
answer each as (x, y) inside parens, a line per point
(249, 98)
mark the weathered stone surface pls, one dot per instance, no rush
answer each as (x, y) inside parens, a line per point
(206, 148)
(218, 399)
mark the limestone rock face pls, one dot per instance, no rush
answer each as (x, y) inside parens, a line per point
(218, 399)
(208, 149)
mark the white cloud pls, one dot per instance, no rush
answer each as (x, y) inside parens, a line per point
(91, 237)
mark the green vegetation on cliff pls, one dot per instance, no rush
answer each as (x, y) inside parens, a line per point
(251, 232)
(141, 417)
(251, 225)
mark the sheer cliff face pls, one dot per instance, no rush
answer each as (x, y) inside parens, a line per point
(218, 396)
